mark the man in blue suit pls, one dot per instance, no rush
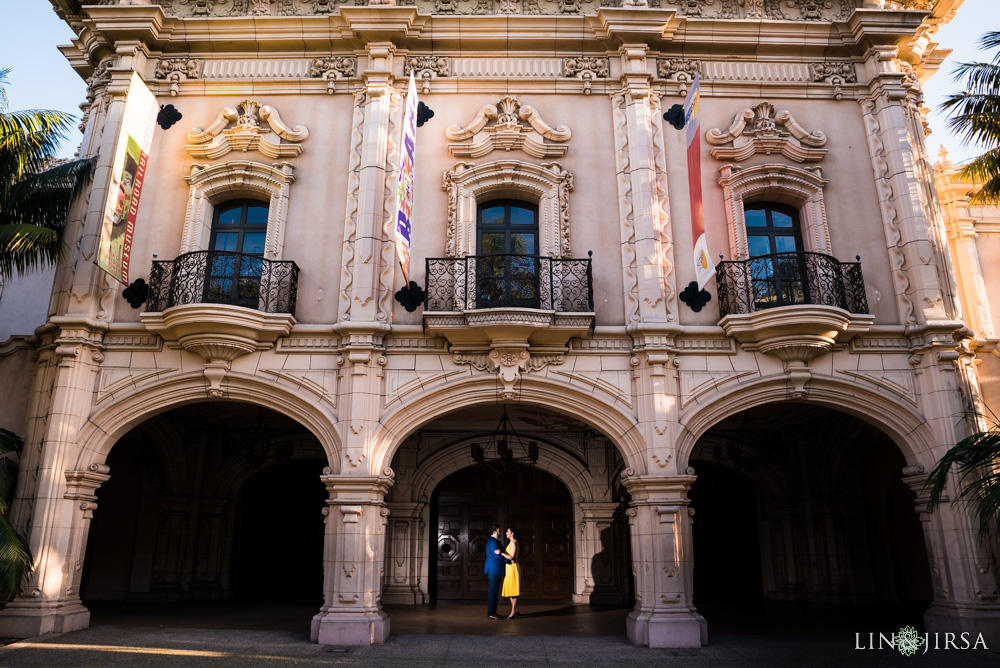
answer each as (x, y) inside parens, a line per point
(495, 569)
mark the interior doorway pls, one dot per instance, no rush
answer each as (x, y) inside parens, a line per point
(464, 507)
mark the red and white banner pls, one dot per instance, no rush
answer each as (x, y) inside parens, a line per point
(404, 186)
(703, 266)
(135, 137)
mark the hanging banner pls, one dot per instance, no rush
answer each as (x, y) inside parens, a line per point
(703, 266)
(404, 187)
(127, 172)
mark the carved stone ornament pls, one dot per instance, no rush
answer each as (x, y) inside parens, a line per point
(763, 130)
(506, 132)
(333, 68)
(752, 9)
(175, 70)
(717, 9)
(809, 10)
(587, 68)
(425, 68)
(837, 74)
(680, 70)
(247, 135)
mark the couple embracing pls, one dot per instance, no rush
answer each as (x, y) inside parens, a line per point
(501, 565)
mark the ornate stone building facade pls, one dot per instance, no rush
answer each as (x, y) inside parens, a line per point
(272, 380)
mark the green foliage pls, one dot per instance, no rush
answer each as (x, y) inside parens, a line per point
(974, 114)
(976, 459)
(15, 555)
(34, 201)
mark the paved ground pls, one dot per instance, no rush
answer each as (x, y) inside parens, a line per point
(443, 635)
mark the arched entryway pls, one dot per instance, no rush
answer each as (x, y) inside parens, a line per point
(801, 515)
(213, 501)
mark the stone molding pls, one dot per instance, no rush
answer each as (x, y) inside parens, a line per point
(762, 129)
(835, 73)
(796, 335)
(215, 184)
(333, 69)
(175, 70)
(219, 333)
(801, 187)
(479, 137)
(548, 185)
(218, 139)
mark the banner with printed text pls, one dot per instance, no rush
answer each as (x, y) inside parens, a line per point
(127, 173)
(703, 266)
(404, 187)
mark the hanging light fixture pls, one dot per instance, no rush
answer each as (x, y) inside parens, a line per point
(505, 449)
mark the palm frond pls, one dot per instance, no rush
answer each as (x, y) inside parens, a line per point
(984, 171)
(15, 560)
(24, 248)
(991, 40)
(10, 450)
(977, 461)
(44, 199)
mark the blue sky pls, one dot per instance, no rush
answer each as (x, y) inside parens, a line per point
(41, 77)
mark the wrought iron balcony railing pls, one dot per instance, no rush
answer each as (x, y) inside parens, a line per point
(783, 279)
(494, 281)
(223, 277)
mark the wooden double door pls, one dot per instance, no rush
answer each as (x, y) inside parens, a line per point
(467, 504)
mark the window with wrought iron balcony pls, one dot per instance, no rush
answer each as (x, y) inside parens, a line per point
(508, 291)
(786, 301)
(227, 301)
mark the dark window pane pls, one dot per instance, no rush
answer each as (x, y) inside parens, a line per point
(493, 216)
(755, 218)
(779, 219)
(253, 243)
(226, 241)
(256, 215)
(230, 216)
(521, 216)
(785, 245)
(759, 246)
(522, 244)
(491, 243)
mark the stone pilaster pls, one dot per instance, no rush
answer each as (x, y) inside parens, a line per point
(599, 581)
(405, 558)
(663, 563)
(962, 574)
(62, 502)
(353, 562)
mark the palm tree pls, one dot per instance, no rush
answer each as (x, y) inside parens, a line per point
(974, 114)
(977, 460)
(33, 200)
(15, 556)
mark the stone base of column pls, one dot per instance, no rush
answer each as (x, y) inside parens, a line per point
(28, 619)
(667, 629)
(352, 628)
(407, 597)
(943, 618)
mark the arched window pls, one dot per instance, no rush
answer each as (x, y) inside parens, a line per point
(239, 230)
(508, 226)
(507, 271)
(780, 279)
(772, 228)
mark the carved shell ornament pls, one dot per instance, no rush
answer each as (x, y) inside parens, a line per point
(247, 134)
(762, 129)
(506, 132)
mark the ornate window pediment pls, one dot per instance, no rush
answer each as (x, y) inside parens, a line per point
(546, 185)
(764, 130)
(498, 127)
(248, 133)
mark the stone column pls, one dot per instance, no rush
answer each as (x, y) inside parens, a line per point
(598, 557)
(663, 563)
(62, 501)
(962, 574)
(404, 553)
(353, 562)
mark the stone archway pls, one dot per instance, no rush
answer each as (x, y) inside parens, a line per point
(810, 506)
(238, 518)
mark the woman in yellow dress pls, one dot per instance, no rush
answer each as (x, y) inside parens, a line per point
(512, 576)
